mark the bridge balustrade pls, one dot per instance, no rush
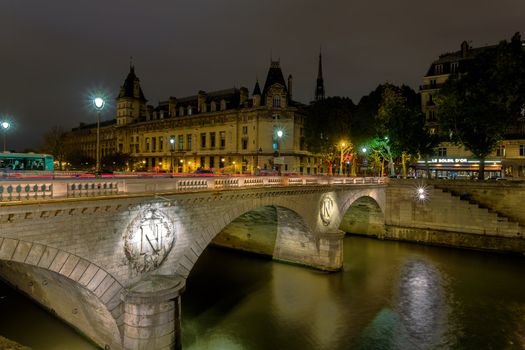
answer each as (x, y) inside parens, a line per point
(89, 189)
(25, 191)
(20, 190)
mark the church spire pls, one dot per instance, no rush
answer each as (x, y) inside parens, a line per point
(319, 87)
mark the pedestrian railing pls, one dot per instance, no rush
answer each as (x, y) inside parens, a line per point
(27, 190)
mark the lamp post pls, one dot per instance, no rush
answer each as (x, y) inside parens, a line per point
(365, 160)
(99, 103)
(172, 149)
(343, 145)
(256, 171)
(279, 137)
(5, 125)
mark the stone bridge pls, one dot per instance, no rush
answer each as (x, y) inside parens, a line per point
(111, 256)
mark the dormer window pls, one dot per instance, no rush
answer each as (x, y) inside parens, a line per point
(189, 110)
(454, 67)
(223, 105)
(181, 111)
(213, 106)
(276, 101)
(439, 69)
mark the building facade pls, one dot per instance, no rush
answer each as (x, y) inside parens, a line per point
(226, 131)
(454, 161)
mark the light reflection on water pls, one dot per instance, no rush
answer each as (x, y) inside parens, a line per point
(390, 295)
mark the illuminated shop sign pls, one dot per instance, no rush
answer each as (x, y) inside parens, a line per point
(449, 160)
(458, 161)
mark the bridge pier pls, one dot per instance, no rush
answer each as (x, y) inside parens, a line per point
(152, 311)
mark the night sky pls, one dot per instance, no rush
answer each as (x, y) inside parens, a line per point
(54, 53)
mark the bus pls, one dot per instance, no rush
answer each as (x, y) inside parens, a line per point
(26, 162)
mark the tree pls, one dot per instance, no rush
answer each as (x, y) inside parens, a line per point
(116, 161)
(391, 124)
(54, 143)
(327, 124)
(400, 117)
(478, 106)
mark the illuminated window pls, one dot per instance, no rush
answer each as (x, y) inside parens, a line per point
(500, 151)
(276, 101)
(222, 139)
(212, 140)
(203, 140)
(189, 142)
(181, 142)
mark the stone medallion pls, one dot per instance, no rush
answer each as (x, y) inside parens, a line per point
(148, 239)
(327, 208)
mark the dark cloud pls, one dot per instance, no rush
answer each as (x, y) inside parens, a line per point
(54, 52)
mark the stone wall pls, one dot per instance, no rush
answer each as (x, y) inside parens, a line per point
(444, 219)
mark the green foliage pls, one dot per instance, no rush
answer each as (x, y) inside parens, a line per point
(478, 106)
(394, 124)
(327, 124)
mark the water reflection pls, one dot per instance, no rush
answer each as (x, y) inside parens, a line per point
(390, 295)
(418, 313)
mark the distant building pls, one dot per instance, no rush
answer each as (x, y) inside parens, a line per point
(224, 131)
(453, 160)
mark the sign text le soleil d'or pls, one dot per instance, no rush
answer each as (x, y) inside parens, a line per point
(449, 160)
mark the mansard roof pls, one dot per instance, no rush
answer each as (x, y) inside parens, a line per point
(126, 90)
(274, 76)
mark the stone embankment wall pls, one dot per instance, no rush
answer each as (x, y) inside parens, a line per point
(503, 197)
(445, 219)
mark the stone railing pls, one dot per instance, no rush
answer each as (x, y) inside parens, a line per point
(43, 189)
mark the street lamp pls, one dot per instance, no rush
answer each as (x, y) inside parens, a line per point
(5, 125)
(365, 160)
(343, 145)
(279, 134)
(256, 169)
(99, 103)
(172, 149)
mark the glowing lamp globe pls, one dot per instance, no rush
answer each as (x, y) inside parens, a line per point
(99, 103)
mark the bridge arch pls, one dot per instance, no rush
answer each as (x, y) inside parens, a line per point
(78, 291)
(290, 225)
(363, 215)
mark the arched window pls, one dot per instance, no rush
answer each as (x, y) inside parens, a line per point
(276, 101)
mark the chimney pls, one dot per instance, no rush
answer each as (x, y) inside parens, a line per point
(290, 86)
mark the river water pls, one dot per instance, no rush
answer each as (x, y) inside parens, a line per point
(390, 295)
